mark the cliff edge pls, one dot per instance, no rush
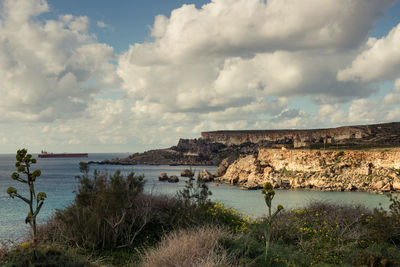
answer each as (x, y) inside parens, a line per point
(322, 170)
(374, 135)
(212, 147)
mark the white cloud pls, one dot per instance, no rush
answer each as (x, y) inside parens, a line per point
(231, 64)
(378, 62)
(48, 69)
(397, 85)
(230, 53)
(101, 24)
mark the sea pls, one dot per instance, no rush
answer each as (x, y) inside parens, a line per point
(59, 182)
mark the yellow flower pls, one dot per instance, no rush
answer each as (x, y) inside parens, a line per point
(25, 245)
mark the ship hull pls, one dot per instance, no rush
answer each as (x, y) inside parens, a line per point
(64, 155)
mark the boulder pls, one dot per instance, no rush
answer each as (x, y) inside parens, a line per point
(163, 177)
(378, 185)
(351, 187)
(187, 173)
(223, 166)
(173, 179)
(396, 185)
(285, 184)
(386, 188)
(206, 176)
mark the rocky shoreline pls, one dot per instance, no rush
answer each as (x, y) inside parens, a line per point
(291, 159)
(375, 172)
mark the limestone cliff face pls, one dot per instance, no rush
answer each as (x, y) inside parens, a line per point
(376, 134)
(324, 170)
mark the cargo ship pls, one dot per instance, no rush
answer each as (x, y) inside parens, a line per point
(45, 154)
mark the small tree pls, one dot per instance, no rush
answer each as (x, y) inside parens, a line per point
(194, 195)
(35, 201)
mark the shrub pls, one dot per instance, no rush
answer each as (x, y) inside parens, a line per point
(194, 195)
(384, 225)
(107, 211)
(248, 251)
(111, 212)
(43, 256)
(217, 214)
(324, 231)
(192, 247)
(374, 255)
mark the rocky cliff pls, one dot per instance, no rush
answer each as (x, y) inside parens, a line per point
(213, 147)
(387, 134)
(322, 170)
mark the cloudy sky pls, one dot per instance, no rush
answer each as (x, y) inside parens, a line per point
(127, 76)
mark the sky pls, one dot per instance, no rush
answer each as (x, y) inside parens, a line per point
(132, 75)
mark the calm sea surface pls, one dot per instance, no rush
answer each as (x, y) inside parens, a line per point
(59, 182)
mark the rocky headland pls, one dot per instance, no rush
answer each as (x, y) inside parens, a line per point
(370, 171)
(213, 147)
(334, 159)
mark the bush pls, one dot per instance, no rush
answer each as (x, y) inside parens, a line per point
(374, 255)
(43, 256)
(384, 225)
(321, 233)
(111, 212)
(107, 212)
(248, 251)
(193, 247)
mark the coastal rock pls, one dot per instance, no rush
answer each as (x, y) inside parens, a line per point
(213, 146)
(396, 185)
(173, 179)
(239, 171)
(323, 170)
(206, 176)
(186, 173)
(379, 185)
(163, 177)
(223, 166)
(351, 187)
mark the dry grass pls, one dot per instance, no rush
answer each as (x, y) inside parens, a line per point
(196, 247)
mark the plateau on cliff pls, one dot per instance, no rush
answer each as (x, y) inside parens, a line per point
(213, 147)
(375, 135)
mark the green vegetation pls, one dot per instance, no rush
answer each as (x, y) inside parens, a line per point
(194, 195)
(112, 222)
(34, 201)
(269, 194)
(43, 255)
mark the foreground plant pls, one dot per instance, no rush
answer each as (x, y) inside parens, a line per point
(192, 194)
(35, 201)
(269, 194)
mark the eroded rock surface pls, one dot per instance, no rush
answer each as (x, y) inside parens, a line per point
(206, 176)
(324, 170)
(212, 147)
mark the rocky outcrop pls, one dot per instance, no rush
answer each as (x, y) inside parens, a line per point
(323, 170)
(206, 176)
(163, 177)
(173, 179)
(187, 173)
(223, 166)
(215, 146)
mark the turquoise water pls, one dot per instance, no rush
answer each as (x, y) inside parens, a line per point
(59, 182)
